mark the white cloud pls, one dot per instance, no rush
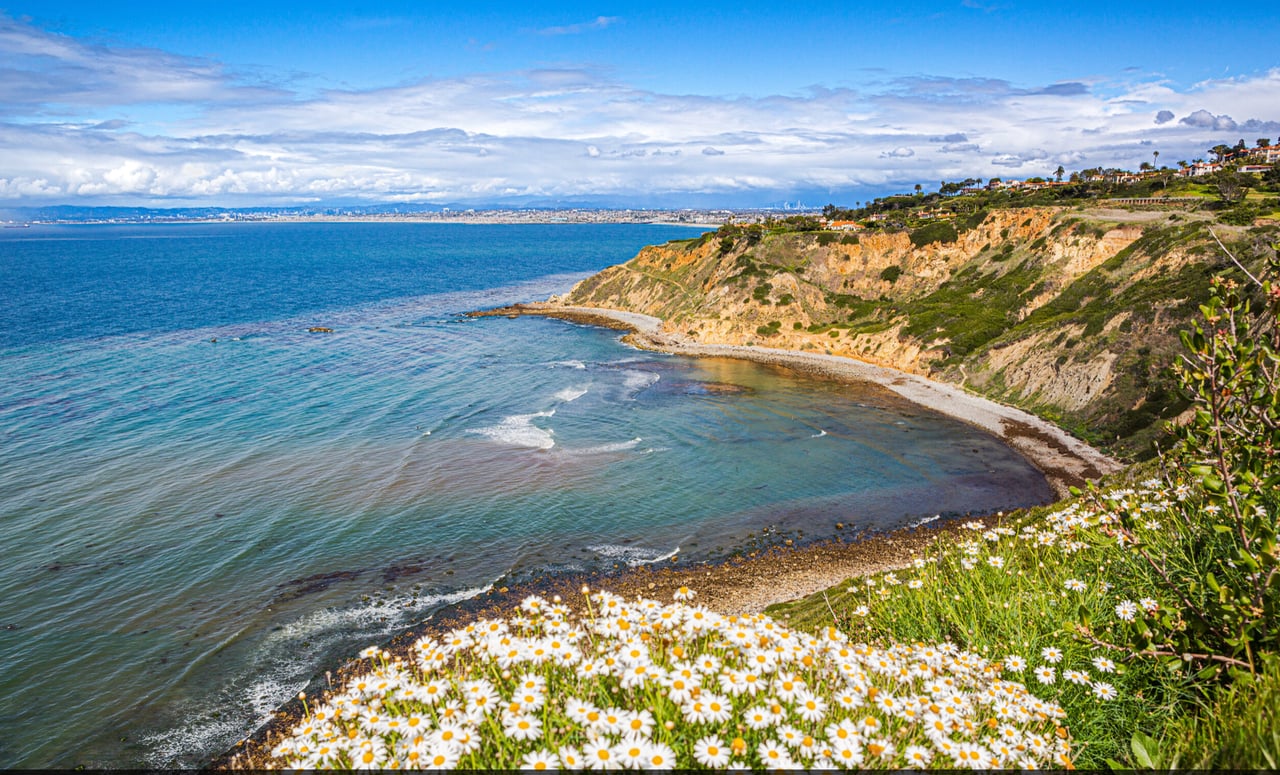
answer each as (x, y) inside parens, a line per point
(598, 23)
(69, 129)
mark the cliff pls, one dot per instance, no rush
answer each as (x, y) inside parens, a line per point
(1073, 316)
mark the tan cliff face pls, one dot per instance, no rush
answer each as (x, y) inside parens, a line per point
(1053, 310)
(693, 290)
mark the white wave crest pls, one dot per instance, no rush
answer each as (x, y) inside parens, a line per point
(636, 380)
(632, 555)
(518, 430)
(570, 394)
(579, 365)
(288, 670)
(819, 434)
(619, 446)
(925, 520)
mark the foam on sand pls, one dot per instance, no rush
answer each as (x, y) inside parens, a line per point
(633, 556)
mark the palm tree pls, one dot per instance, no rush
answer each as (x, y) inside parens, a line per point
(1059, 172)
(1155, 158)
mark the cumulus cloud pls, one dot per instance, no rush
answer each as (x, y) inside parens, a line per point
(1206, 120)
(67, 127)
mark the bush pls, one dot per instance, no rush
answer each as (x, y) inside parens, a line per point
(1217, 547)
(942, 232)
(891, 274)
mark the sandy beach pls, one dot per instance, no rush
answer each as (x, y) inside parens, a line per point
(1064, 460)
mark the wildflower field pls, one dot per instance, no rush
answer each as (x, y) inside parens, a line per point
(1134, 625)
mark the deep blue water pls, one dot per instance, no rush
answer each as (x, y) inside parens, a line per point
(191, 527)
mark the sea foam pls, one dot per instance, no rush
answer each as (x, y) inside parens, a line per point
(518, 430)
(570, 394)
(633, 556)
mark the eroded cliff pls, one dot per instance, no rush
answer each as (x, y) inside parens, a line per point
(1072, 316)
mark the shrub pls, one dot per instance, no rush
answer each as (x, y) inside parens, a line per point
(941, 231)
(891, 274)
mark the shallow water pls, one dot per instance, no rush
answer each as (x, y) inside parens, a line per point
(193, 529)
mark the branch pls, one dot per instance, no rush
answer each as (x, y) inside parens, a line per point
(1231, 256)
(1090, 637)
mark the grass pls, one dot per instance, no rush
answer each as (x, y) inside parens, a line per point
(1048, 587)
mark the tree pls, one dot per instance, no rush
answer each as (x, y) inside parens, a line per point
(1264, 142)
(1059, 172)
(1220, 152)
(919, 189)
(1155, 158)
(1231, 185)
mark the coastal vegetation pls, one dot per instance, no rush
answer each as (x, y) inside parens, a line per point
(1133, 624)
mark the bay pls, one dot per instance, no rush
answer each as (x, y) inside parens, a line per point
(204, 503)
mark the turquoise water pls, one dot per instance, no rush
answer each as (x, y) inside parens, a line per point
(192, 529)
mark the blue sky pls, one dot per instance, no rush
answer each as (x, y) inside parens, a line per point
(631, 104)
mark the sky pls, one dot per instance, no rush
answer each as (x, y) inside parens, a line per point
(653, 104)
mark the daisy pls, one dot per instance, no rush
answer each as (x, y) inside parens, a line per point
(659, 757)
(1104, 691)
(632, 751)
(711, 752)
(1051, 654)
(1104, 665)
(598, 754)
(522, 726)
(1045, 674)
(1127, 610)
(774, 755)
(571, 758)
(810, 707)
(639, 723)
(1014, 663)
(848, 754)
(540, 760)
(918, 757)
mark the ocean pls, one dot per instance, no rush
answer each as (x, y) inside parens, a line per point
(203, 504)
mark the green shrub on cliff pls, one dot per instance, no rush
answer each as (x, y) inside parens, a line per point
(941, 231)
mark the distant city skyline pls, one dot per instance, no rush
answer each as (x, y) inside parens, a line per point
(624, 105)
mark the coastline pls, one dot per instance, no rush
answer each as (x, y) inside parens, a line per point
(1064, 460)
(754, 579)
(742, 584)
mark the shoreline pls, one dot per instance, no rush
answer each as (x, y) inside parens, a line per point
(750, 580)
(741, 584)
(1064, 460)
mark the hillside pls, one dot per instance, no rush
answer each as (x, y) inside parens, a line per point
(1071, 314)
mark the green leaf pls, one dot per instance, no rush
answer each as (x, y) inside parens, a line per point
(1144, 750)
